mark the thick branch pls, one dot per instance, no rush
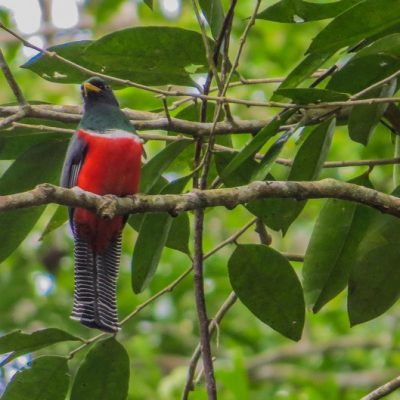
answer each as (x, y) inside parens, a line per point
(108, 206)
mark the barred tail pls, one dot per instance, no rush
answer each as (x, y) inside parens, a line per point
(96, 273)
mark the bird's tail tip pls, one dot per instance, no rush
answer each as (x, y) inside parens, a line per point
(92, 323)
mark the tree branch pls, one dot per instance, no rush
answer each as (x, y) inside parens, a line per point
(107, 206)
(383, 390)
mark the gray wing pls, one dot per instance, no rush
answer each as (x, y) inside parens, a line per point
(73, 162)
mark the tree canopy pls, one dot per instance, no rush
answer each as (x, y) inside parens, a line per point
(261, 256)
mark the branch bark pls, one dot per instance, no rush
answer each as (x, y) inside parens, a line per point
(108, 206)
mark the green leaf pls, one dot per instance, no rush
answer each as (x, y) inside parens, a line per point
(305, 69)
(364, 118)
(340, 227)
(361, 72)
(153, 169)
(53, 70)
(311, 95)
(262, 136)
(46, 378)
(179, 233)
(307, 165)
(16, 141)
(140, 54)
(214, 13)
(143, 54)
(374, 284)
(295, 11)
(59, 218)
(26, 342)
(151, 240)
(18, 343)
(267, 285)
(271, 155)
(363, 20)
(149, 3)
(104, 374)
(41, 163)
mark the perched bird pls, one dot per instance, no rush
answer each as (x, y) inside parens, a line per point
(104, 157)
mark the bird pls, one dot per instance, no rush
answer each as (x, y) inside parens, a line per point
(103, 157)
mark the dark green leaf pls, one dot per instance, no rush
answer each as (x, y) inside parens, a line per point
(16, 141)
(143, 54)
(267, 285)
(153, 169)
(149, 3)
(296, 11)
(331, 253)
(18, 343)
(311, 95)
(41, 163)
(374, 284)
(179, 233)
(104, 374)
(305, 69)
(271, 155)
(364, 118)
(364, 19)
(59, 218)
(361, 72)
(151, 240)
(54, 70)
(280, 213)
(270, 130)
(214, 13)
(46, 378)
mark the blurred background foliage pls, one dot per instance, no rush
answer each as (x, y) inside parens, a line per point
(254, 362)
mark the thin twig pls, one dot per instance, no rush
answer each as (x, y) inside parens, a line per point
(228, 303)
(12, 82)
(383, 390)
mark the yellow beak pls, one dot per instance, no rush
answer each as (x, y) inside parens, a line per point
(88, 87)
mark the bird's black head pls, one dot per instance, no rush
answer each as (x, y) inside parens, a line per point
(95, 90)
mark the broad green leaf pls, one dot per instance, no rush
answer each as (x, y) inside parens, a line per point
(46, 378)
(361, 72)
(18, 343)
(15, 141)
(364, 118)
(389, 45)
(256, 143)
(179, 233)
(54, 70)
(40, 163)
(59, 218)
(340, 227)
(280, 213)
(143, 54)
(267, 285)
(374, 284)
(149, 3)
(271, 155)
(296, 11)
(305, 69)
(153, 169)
(311, 95)
(151, 240)
(364, 19)
(214, 13)
(104, 374)
(140, 54)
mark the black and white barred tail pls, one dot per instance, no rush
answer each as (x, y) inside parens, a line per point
(95, 302)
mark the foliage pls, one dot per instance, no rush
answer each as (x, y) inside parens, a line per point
(341, 244)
